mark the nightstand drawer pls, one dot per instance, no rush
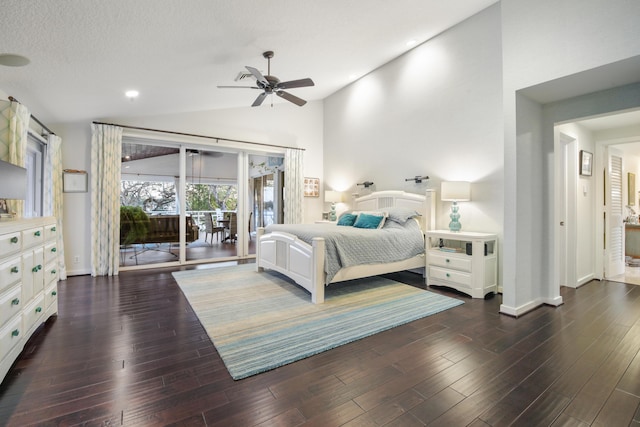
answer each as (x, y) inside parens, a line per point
(457, 277)
(10, 243)
(454, 261)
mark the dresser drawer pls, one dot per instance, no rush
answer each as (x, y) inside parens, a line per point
(10, 243)
(33, 313)
(10, 304)
(51, 295)
(444, 274)
(50, 232)
(50, 273)
(10, 273)
(10, 335)
(50, 252)
(32, 237)
(457, 262)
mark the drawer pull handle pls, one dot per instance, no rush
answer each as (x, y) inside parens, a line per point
(15, 301)
(448, 275)
(35, 269)
(54, 293)
(53, 228)
(14, 269)
(38, 309)
(53, 249)
(15, 333)
(39, 267)
(14, 239)
(37, 234)
(53, 272)
(448, 260)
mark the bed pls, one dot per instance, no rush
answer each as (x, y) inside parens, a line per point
(302, 251)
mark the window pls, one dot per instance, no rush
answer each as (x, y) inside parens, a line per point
(34, 163)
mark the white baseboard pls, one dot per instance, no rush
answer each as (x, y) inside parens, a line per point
(83, 272)
(531, 305)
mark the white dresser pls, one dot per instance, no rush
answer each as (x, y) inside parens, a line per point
(465, 261)
(28, 282)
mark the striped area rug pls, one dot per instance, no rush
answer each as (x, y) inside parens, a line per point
(260, 321)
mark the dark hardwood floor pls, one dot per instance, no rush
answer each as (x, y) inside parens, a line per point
(128, 350)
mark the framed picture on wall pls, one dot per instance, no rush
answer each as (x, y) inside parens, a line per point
(586, 162)
(312, 187)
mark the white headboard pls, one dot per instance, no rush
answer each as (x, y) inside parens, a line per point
(425, 204)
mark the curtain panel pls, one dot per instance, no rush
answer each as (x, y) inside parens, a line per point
(13, 141)
(53, 197)
(106, 150)
(294, 186)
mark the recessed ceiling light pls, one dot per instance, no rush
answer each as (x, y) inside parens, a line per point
(13, 60)
(132, 94)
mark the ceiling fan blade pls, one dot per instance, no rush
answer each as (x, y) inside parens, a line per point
(291, 98)
(295, 83)
(259, 99)
(242, 87)
(258, 75)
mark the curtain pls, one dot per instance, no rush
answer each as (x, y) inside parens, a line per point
(53, 198)
(13, 142)
(106, 150)
(294, 186)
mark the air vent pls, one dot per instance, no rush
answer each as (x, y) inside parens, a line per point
(244, 75)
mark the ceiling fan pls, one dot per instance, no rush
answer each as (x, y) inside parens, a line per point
(271, 84)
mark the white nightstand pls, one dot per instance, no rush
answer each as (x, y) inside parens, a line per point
(465, 261)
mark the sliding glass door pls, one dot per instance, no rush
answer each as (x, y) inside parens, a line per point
(194, 203)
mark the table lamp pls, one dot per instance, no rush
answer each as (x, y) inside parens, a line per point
(455, 191)
(333, 197)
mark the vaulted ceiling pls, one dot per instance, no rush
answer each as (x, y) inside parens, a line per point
(85, 54)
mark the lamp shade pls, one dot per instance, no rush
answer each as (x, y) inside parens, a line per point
(455, 191)
(333, 196)
(14, 181)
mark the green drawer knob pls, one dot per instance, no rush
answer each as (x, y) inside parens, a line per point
(39, 267)
(15, 301)
(14, 269)
(53, 250)
(448, 275)
(54, 293)
(37, 234)
(53, 272)
(14, 239)
(53, 228)
(15, 333)
(448, 260)
(38, 309)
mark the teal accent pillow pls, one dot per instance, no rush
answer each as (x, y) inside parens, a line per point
(369, 221)
(347, 219)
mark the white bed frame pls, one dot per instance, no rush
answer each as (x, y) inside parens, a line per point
(304, 263)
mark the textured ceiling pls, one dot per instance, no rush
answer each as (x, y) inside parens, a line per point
(86, 53)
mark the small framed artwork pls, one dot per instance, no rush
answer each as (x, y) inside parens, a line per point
(586, 162)
(4, 206)
(312, 187)
(74, 182)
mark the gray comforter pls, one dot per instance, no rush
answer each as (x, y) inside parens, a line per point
(349, 246)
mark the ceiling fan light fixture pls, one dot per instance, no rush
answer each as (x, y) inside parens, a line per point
(270, 84)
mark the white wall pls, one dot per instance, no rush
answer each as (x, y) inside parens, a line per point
(282, 125)
(436, 111)
(543, 41)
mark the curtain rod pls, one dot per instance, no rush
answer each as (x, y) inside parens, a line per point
(199, 136)
(35, 119)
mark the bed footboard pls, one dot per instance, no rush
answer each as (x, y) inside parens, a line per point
(288, 255)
